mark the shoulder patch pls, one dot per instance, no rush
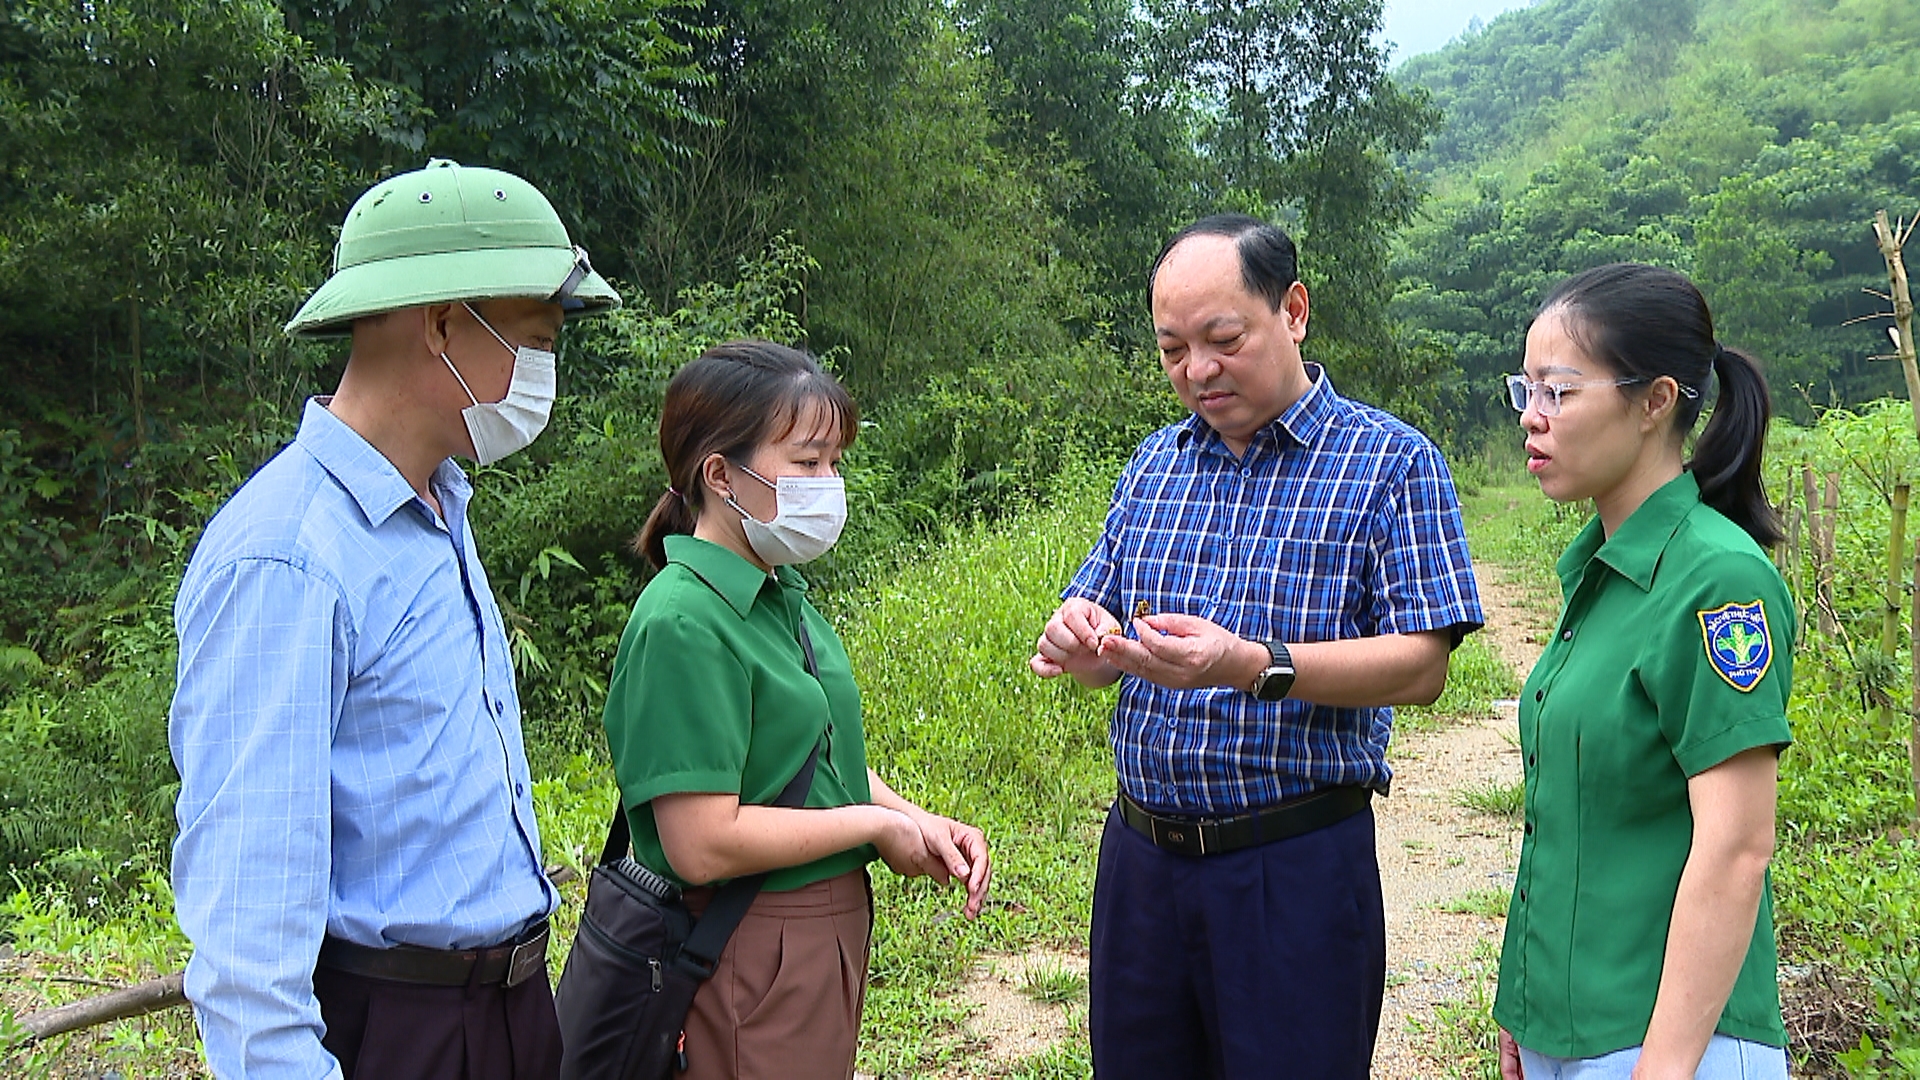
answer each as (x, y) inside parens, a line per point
(1738, 644)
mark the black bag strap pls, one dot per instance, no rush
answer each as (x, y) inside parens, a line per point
(701, 951)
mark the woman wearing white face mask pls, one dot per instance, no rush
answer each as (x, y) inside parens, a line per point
(728, 681)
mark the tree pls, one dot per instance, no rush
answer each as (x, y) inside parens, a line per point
(576, 95)
(1302, 122)
(1654, 30)
(163, 165)
(1077, 88)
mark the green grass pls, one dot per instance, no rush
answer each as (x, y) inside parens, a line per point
(957, 723)
(1053, 984)
(1500, 800)
(1486, 903)
(1463, 1037)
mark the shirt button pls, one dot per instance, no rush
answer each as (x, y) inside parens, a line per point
(1539, 695)
(1532, 758)
(1529, 828)
(1567, 636)
(499, 708)
(1523, 896)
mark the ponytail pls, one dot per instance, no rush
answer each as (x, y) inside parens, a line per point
(1726, 460)
(1647, 323)
(670, 516)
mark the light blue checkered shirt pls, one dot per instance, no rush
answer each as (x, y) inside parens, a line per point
(1340, 521)
(348, 739)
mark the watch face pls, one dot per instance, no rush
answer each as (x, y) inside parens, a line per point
(1273, 684)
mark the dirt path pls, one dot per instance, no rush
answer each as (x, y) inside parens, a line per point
(1435, 853)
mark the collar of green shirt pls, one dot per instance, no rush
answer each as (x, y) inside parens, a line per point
(1634, 551)
(736, 580)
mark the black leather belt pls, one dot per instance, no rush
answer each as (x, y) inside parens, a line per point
(512, 964)
(1216, 836)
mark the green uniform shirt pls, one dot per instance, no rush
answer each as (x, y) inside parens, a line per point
(711, 694)
(1674, 653)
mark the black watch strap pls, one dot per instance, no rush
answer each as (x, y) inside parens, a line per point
(1276, 681)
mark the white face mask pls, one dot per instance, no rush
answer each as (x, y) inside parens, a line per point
(501, 428)
(809, 513)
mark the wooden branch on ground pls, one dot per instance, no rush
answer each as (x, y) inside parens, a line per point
(150, 996)
(153, 995)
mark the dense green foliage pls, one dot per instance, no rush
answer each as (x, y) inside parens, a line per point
(1745, 142)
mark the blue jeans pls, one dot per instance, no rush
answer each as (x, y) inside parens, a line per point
(1727, 1058)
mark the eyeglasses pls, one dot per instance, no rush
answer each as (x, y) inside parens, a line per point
(1545, 396)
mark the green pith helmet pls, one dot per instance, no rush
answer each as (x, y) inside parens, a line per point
(446, 233)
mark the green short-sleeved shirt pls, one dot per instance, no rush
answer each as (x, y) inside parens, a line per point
(711, 694)
(1674, 653)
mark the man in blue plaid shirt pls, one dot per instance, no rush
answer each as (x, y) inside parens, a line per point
(1289, 565)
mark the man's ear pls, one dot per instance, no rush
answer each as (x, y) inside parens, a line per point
(436, 326)
(1294, 306)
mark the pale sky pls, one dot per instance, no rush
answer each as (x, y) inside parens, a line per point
(1420, 26)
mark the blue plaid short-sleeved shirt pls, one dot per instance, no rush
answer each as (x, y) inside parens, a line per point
(1340, 521)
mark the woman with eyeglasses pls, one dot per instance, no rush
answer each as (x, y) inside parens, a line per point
(727, 683)
(1639, 939)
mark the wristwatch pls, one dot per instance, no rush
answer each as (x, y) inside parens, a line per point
(1274, 682)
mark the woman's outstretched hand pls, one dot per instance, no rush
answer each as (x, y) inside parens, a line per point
(937, 847)
(915, 843)
(962, 850)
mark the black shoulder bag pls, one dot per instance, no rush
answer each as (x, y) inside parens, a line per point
(640, 956)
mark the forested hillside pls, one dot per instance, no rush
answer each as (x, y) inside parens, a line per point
(1747, 142)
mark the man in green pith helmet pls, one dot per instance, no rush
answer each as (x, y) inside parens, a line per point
(358, 864)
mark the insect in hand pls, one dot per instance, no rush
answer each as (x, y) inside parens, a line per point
(1141, 610)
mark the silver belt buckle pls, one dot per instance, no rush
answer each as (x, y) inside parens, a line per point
(528, 958)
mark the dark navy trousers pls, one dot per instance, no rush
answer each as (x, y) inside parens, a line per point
(1266, 962)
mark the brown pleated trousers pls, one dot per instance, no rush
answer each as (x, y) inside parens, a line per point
(784, 1004)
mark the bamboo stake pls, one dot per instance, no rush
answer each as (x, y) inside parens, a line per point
(1823, 587)
(1896, 566)
(1796, 570)
(1890, 244)
(1813, 542)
